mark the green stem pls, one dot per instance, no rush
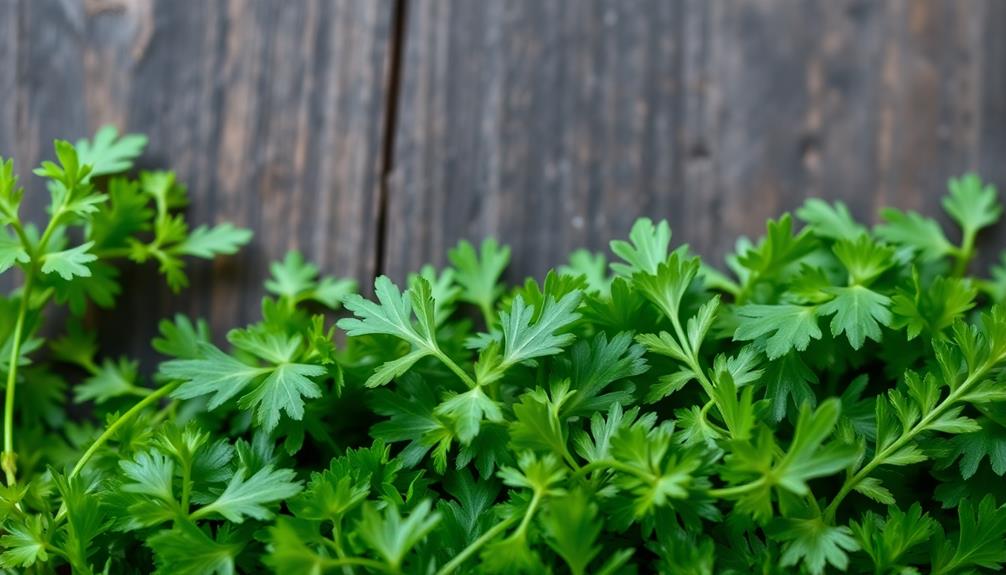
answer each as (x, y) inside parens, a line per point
(9, 463)
(56, 551)
(361, 561)
(113, 253)
(451, 365)
(89, 366)
(568, 458)
(964, 253)
(167, 410)
(467, 552)
(529, 514)
(729, 492)
(337, 546)
(112, 429)
(125, 417)
(693, 354)
(613, 465)
(49, 230)
(487, 314)
(881, 456)
(704, 413)
(23, 236)
(744, 292)
(186, 484)
(592, 466)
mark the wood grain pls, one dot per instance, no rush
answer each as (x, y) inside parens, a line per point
(990, 118)
(554, 124)
(8, 75)
(9, 15)
(551, 124)
(537, 122)
(271, 112)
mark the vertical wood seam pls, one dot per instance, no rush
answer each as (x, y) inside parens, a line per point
(19, 128)
(392, 100)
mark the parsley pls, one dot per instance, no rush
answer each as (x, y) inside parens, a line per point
(833, 403)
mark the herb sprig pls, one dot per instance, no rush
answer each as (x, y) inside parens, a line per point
(833, 403)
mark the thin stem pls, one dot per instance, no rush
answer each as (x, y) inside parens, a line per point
(592, 466)
(881, 456)
(569, 459)
(113, 253)
(451, 365)
(693, 354)
(728, 492)
(49, 230)
(964, 253)
(140, 391)
(487, 314)
(745, 289)
(167, 410)
(9, 457)
(361, 561)
(202, 512)
(56, 550)
(186, 485)
(496, 530)
(613, 465)
(720, 493)
(23, 236)
(529, 514)
(89, 366)
(704, 413)
(337, 546)
(108, 433)
(112, 429)
(467, 552)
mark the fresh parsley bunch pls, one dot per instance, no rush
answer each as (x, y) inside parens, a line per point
(833, 403)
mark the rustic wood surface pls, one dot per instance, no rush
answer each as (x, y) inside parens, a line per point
(554, 124)
(374, 135)
(8, 75)
(271, 112)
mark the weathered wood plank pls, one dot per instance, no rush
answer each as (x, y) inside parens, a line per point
(271, 112)
(9, 14)
(533, 121)
(990, 120)
(8, 76)
(554, 124)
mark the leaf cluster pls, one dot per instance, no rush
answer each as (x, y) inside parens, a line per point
(830, 402)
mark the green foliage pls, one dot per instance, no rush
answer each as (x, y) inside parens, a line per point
(833, 404)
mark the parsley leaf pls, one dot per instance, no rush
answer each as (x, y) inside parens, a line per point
(478, 273)
(785, 327)
(108, 153)
(70, 263)
(391, 536)
(814, 544)
(654, 414)
(858, 312)
(524, 339)
(249, 496)
(981, 541)
(189, 550)
(280, 386)
(972, 203)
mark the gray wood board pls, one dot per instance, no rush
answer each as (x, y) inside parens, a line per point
(271, 112)
(554, 124)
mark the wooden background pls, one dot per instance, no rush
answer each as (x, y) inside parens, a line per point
(372, 135)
